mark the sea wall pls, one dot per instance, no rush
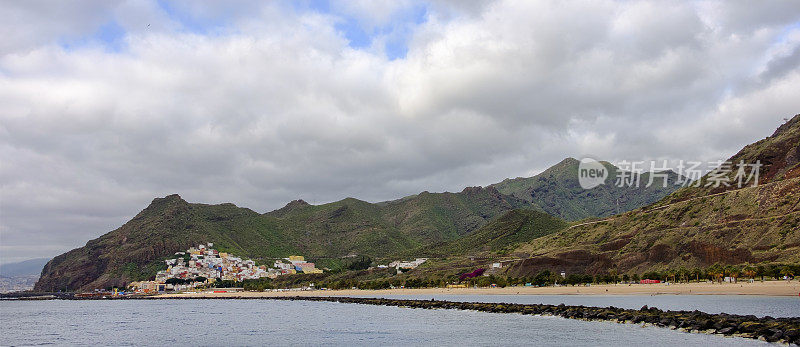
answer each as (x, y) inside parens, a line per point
(786, 330)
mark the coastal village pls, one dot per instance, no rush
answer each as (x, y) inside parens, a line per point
(203, 265)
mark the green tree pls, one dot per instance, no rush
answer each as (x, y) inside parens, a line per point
(696, 273)
(683, 274)
(361, 263)
(542, 278)
(716, 271)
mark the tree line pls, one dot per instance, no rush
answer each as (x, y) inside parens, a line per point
(716, 272)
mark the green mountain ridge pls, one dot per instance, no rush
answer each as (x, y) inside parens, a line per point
(516, 218)
(558, 192)
(502, 234)
(350, 226)
(407, 226)
(693, 227)
(779, 155)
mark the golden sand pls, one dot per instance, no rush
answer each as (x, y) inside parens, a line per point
(769, 288)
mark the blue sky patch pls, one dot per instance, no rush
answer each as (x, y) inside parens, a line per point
(109, 35)
(397, 44)
(397, 31)
(194, 24)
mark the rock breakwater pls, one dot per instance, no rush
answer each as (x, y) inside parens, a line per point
(785, 330)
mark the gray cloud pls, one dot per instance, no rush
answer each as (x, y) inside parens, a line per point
(269, 104)
(29, 24)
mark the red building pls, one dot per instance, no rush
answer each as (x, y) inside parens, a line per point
(648, 281)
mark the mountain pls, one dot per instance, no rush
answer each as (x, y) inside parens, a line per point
(23, 268)
(135, 250)
(501, 234)
(20, 276)
(558, 192)
(779, 155)
(693, 227)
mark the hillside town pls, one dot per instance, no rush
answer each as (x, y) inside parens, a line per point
(202, 265)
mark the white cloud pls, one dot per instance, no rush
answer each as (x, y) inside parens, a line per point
(271, 104)
(29, 24)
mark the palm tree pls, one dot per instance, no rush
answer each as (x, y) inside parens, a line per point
(749, 271)
(696, 272)
(734, 272)
(684, 274)
(671, 274)
(717, 272)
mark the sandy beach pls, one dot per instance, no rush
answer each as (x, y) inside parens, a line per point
(769, 288)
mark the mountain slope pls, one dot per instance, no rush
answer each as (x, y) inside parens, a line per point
(350, 226)
(557, 192)
(503, 233)
(692, 227)
(779, 155)
(436, 217)
(134, 251)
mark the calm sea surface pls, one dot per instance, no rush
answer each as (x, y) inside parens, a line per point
(268, 322)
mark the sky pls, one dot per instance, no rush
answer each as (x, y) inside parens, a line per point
(105, 105)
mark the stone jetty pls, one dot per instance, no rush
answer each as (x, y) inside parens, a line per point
(785, 330)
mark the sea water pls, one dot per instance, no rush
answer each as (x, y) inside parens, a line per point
(273, 322)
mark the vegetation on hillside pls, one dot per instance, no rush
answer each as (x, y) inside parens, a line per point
(778, 155)
(329, 231)
(502, 234)
(695, 227)
(558, 192)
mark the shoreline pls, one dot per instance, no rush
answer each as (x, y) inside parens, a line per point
(770, 288)
(783, 329)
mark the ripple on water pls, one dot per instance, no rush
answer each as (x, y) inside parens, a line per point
(260, 322)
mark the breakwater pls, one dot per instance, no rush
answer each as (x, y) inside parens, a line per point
(786, 330)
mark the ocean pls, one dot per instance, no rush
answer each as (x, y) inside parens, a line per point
(286, 323)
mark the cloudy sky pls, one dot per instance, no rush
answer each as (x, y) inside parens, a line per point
(105, 105)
